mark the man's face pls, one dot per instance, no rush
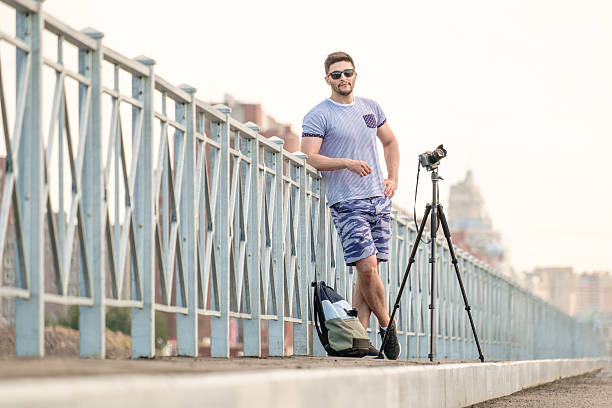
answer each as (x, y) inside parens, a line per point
(342, 86)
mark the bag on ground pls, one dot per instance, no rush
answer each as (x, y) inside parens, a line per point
(337, 324)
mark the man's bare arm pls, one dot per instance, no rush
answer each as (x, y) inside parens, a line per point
(391, 151)
(311, 147)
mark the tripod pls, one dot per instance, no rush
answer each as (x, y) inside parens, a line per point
(436, 213)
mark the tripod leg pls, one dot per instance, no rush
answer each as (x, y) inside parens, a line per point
(432, 261)
(415, 247)
(465, 300)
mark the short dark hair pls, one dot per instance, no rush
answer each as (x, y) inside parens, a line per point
(337, 57)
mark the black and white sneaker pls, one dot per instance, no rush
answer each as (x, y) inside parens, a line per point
(392, 349)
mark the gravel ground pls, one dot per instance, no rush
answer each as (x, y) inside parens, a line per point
(589, 390)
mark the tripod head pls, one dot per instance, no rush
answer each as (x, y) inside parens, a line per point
(435, 177)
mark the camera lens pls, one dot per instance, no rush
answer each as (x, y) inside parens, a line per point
(439, 153)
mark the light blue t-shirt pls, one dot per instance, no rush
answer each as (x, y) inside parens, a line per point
(348, 131)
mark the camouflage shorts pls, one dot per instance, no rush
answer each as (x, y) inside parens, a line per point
(364, 227)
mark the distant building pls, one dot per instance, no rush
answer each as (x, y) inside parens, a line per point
(593, 293)
(577, 294)
(585, 296)
(268, 126)
(471, 227)
(556, 285)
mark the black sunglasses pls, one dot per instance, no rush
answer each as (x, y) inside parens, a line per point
(337, 74)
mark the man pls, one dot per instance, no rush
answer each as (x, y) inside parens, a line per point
(339, 137)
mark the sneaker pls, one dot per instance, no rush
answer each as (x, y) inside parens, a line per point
(372, 351)
(392, 349)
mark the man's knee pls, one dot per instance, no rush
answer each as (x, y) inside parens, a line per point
(367, 269)
(368, 273)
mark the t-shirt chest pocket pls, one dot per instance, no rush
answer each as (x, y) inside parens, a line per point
(370, 120)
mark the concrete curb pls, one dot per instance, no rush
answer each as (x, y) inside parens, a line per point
(449, 385)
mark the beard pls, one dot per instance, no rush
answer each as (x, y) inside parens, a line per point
(344, 91)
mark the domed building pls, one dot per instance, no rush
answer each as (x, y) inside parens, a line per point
(471, 226)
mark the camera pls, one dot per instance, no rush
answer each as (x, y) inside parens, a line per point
(430, 160)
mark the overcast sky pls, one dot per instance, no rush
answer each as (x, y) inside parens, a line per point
(518, 91)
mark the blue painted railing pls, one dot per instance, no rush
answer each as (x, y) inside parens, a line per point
(123, 190)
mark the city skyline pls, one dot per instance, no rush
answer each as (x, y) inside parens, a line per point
(518, 92)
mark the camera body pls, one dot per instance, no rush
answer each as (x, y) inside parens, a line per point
(431, 160)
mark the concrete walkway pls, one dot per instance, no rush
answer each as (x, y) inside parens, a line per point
(271, 382)
(589, 390)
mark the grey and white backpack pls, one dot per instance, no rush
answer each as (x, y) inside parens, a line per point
(337, 325)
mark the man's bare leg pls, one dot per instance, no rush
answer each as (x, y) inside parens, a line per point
(369, 294)
(359, 303)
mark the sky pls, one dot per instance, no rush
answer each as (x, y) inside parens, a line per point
(520, 92)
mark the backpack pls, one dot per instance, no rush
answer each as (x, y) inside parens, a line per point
(337, 325)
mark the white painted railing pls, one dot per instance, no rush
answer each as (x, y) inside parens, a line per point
(123, 190)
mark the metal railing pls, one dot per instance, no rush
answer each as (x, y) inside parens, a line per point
(123, 190)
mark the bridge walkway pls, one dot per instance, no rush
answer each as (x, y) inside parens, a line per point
(589, 390)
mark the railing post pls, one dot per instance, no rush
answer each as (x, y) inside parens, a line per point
(448, 318)
(489, 310)
(523, 331)
(252, 326)
(321, 255)
(453, 297)
(300, 330)
(393, 266)
(219, 326)
(512, 315)
(276, 328)
(529, 339)
(187, 325)
(143, 319)
(30, 313)
(343, 285)
(469, 277)
(425, 301)
(508, 320)
(321, 266)
(412, 309)
(92, 319)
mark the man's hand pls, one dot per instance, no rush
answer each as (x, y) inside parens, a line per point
(358, 167)
(390, 185)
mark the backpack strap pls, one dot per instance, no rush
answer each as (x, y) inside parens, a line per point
(319, 317)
